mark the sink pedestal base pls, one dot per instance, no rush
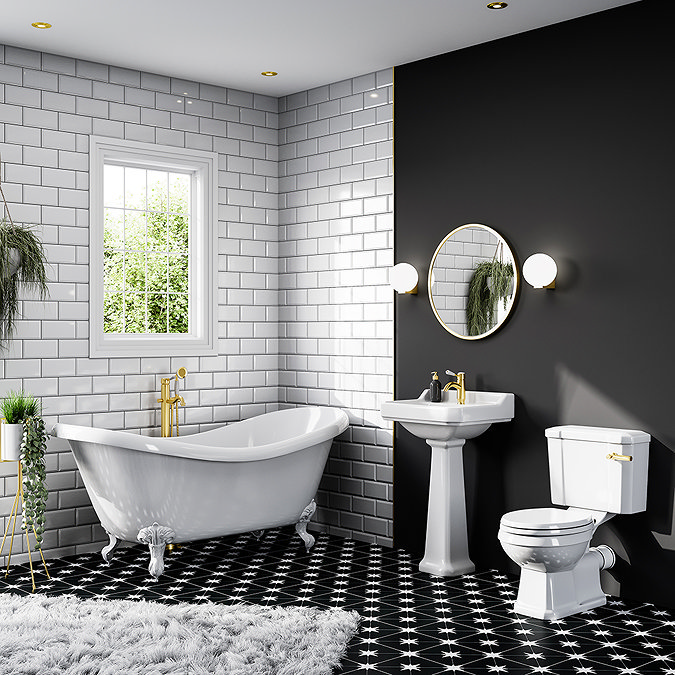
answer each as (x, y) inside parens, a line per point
(447, 550)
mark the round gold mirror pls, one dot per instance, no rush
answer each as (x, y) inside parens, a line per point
(473, 280)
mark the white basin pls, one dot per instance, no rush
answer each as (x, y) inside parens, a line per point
(448, 419)
(445, 426)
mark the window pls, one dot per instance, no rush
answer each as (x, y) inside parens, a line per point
(153, 250)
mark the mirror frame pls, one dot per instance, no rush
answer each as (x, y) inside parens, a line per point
(516, 282)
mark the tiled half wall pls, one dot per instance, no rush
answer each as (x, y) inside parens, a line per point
(305, 239)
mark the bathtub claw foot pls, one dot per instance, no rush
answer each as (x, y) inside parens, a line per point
(107, 551)
(156, 537)
(301, 525)
(258, 534)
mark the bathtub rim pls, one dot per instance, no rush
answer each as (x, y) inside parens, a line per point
(336, 422)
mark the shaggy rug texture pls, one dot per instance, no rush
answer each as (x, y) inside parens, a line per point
(54, 635)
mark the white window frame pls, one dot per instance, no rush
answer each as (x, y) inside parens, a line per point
(203, 168)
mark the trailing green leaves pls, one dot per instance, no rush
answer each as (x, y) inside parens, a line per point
(35, 491)
(31, 271)
(491, 282)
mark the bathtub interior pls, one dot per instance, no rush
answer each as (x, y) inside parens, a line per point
(272, 428)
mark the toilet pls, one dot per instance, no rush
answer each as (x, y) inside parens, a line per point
(597, 473)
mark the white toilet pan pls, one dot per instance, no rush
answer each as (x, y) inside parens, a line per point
(559, 573)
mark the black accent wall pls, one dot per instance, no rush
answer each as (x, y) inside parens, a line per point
(563, 140)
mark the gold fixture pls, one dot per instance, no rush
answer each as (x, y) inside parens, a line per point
(268, 73)
(41, 24)
(620, 458)
(459, 386)
(170, 403)
(498, 5)
(19, 499)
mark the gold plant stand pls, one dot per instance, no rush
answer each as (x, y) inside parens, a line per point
(19, 499)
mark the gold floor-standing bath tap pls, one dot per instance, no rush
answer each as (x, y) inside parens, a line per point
(459, 386)
(169, 403)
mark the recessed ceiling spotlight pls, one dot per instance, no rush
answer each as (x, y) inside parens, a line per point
(41, 24)
(268, 73)
(498, 5)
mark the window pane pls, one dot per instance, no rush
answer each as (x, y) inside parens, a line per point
(179, 192)
(113, 234)
(112, 313)
(134, 308)
(156, 312)
(157, 231)
(178, 233)
(113, 270)
(157, 190)
(113, 185)
(134, 188)
(134, 271)
(178, 314)
(134, 230)
(157, 265)
(178, 273)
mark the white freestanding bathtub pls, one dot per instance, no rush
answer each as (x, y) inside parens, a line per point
(256, 474)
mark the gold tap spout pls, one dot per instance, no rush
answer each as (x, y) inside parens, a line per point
(168, 403)
(458, 385)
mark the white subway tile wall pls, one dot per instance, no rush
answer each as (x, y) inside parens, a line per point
(305, 315)
(336, 308)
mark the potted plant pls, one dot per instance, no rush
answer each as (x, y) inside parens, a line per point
(22, 262)
(22, 415)
(491, 282)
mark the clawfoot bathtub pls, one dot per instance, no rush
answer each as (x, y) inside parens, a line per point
(252, 475)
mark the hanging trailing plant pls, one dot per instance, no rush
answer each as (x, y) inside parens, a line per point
(22, 263)
(491, 282)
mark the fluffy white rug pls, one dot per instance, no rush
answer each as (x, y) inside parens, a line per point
(53, 635)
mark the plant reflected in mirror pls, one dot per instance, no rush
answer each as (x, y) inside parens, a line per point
(473, 280)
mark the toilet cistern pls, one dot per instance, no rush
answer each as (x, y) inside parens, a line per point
(597, 473)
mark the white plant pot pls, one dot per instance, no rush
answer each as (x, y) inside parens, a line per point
(13, 262)
(11, 436)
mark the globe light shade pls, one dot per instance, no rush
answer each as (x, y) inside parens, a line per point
(403, 278)
(540, 271)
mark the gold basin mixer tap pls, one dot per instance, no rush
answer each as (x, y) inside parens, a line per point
(459, 386)
(169, 403)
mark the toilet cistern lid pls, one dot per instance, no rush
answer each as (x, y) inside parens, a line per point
(598, 434)
(545, 519)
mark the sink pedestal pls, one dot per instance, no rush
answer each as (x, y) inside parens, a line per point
(447, 552)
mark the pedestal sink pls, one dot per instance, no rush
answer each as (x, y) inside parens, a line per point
(445, 426)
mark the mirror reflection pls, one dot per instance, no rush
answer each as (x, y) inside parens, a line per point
(473, 281)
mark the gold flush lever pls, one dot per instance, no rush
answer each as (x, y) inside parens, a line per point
(620, 458)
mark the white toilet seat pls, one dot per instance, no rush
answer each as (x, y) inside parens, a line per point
(546, 522)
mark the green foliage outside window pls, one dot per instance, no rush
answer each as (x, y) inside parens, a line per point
(146, 246)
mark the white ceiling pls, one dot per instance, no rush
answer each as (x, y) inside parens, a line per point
(309, 42)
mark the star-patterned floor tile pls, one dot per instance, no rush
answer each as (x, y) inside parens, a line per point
(410, 621)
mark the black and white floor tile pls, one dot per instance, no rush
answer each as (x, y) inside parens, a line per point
(411, 622)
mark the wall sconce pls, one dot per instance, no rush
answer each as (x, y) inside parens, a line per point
(403, 278)
(540, 271)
